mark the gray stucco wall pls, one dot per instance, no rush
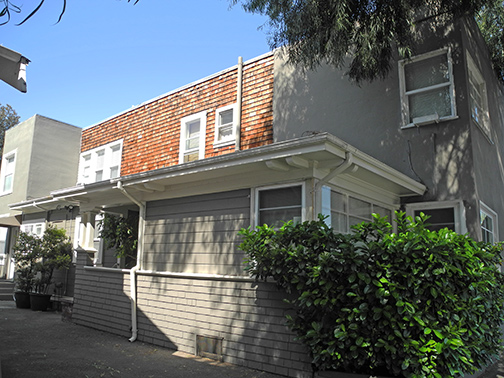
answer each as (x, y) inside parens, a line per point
(368, 116)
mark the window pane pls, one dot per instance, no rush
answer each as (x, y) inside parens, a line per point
(338, 202)
(114, 172)
(276, 218)
(282, 197)
(339, 222)
(225, 132)
(193, 129)
(192, 144)
(360, 208)
(226, 117)
(100, 159)
(7, 187)
(191, 157)
(439, 218)
(427, 72)
(431, 102)
(99, 176)
(383, 212)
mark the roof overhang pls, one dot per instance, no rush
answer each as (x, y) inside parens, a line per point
(13, 68)
(319, 156)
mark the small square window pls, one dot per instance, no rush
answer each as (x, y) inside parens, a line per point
(427, 89)
(443, 214)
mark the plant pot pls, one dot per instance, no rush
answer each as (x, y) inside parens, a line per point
(40, 302)
(22, 299)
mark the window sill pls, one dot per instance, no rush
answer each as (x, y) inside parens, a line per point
(484, 131)
(443, 119)
(224, 143)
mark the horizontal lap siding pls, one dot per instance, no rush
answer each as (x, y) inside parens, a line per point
(250, 317)
(197, 234)
(101, 299)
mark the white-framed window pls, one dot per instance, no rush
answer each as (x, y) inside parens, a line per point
(278, 204)
(225, 125)
(343, 210)
(7, 172)
(489, 225)
(478, 100)
(192, 137)
(449, 214)
(36, 229)
(101, 163)
(427, 88)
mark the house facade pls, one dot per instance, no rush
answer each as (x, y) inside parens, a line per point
(264, 142)
(40, 155)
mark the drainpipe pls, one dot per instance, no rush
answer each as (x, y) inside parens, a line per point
(239, 88)
(138, 266)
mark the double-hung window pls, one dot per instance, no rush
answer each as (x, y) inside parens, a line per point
(7, 173)
(36, 229)
(478, 96)
(192, 137)
(488, 220)
(427, 89)
(225, 124)
(279, 204)
(101, 163)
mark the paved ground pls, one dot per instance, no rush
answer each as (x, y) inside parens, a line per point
(39, 344)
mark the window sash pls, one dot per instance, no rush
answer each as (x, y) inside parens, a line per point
(276, 205)
(427, 88)
(192, 138)
(225, 122)
(101, 163)
(7, 172)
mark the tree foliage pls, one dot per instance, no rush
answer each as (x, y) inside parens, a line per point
(8, 119)
(121, 234)
(415, 303)
(370, 32)
(491, 23)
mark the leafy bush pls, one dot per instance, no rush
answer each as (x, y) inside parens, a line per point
(416, 303)
(26, 252)
(121, 233)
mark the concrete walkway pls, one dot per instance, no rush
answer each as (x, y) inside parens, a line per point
(39, 344)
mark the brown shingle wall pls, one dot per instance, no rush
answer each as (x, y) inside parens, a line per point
(151, 133)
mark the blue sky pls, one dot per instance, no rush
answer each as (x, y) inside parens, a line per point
(106, 56)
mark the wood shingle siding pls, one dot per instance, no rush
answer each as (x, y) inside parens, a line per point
(151, 131)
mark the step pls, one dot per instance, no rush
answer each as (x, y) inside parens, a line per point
(6, 290)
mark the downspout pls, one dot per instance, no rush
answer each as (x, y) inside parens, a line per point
(138, 266)
(239, 95)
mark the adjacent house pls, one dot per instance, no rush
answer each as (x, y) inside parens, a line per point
(40, 155)
(264, 142)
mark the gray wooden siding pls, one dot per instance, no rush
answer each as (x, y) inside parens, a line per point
(101, 299)
(197, 234)
(249, 316)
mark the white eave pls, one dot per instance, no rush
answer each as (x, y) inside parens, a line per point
(13, 68)
(318, 154)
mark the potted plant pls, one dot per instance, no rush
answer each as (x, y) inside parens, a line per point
(26, 252)
(55, 253)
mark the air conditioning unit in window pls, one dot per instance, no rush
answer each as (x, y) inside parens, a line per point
(425, 120)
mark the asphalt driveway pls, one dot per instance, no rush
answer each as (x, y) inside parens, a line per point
(39, 344)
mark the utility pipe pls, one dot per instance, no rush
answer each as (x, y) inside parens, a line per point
(239, 95)
(139, 263)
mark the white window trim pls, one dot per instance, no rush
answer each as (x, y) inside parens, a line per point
(457, 205)
(473, 69)
(265, 188)
(404, 94)
(107, 163)
(4, 169)
(489, 212)
(202, 116)
(232, 139)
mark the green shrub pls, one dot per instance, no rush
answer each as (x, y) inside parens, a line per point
(416, 303)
